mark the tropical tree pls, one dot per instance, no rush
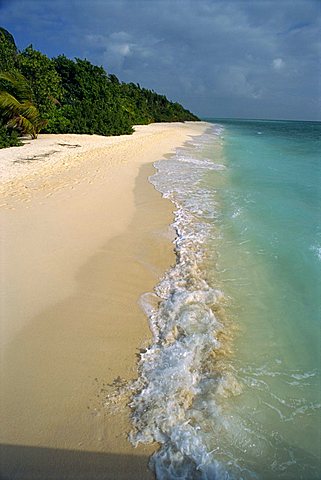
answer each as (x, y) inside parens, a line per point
(8, 51)
(46, 85)
(17, 107)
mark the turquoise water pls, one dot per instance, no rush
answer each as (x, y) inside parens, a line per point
(231, 386)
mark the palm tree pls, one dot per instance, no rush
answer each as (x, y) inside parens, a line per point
(17, 108)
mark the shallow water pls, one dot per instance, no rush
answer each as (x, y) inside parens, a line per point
(230, 387)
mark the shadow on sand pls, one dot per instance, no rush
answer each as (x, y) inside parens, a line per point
(37, 463)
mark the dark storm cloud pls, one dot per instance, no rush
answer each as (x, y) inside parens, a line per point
(220, 58)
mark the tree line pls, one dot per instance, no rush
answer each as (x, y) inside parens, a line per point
(61, 95)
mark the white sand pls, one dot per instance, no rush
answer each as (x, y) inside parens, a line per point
(83, 236)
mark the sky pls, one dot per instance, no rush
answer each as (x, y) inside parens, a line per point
(219, 58)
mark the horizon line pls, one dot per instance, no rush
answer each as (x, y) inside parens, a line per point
(260, 119)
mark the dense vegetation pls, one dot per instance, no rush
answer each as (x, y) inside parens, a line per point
(60, 95)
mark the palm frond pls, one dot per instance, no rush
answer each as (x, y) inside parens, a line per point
(18, 108)
(19, 83)
(29, 110)
(9, 103)
(21, 123)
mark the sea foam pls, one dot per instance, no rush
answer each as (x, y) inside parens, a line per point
(178, 367)
(230, 386)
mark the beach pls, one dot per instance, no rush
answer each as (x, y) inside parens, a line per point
(84, 235)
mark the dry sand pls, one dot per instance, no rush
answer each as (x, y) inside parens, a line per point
(84, 234)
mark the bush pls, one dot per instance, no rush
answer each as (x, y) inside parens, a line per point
(8, 138)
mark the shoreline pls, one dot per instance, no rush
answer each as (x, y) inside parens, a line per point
(82, 328)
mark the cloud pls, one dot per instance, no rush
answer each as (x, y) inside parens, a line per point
(116, 49)
(235, 81)
(278, 64)
(217, 58)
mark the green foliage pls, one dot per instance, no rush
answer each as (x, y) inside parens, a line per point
(8, 138)
(146, 106)
(57, 120)
(74, 96)
(91, 97)
(18, 111)
(46, 85)
(8, 51)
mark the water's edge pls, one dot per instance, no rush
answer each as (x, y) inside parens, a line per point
(230, 387)
(183, 316)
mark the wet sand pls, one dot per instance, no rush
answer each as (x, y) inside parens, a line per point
(80, 243)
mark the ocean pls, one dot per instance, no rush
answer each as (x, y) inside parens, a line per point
(231, 386)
